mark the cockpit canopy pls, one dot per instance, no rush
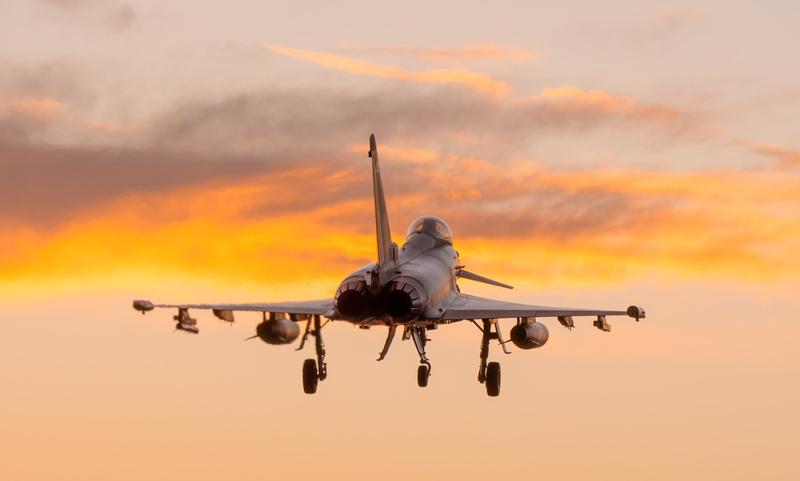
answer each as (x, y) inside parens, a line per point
(432, 225)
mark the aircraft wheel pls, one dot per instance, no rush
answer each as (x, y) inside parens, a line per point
(310, 376)
(423, 373)
(493, 379)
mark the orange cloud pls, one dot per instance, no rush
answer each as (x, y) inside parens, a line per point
(209, 231)
(625, 222)
(476, 81)
(573, 98)
(41, 109)
(113, 128)
(486, 51)
(785, 158)
(46, 109)
(563, 228)
(403, 154)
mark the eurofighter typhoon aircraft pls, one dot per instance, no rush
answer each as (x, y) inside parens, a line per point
(413, 287)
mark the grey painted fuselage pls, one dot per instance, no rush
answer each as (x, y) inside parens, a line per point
(425, 263)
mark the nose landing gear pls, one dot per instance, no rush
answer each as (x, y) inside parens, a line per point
(420, 341)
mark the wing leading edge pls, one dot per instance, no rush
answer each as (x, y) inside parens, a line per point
(472, 307)
(316, 307)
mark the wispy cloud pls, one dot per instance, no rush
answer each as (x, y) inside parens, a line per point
(115, 15)
(476, 81)
(113, 128)
(484, 51)
(658, 25)
(41, 109)
(784, 157)
(574, 98)
(668, 21)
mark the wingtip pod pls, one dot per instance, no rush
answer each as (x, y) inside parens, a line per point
(636, 312)
(373, 146)
(142, 305)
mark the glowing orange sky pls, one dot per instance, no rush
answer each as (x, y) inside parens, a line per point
(705, 225)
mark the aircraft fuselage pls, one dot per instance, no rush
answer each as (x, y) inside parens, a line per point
(415, 288)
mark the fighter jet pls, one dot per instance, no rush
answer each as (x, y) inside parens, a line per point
(413, 287)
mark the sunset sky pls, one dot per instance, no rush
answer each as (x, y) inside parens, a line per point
(592, 155)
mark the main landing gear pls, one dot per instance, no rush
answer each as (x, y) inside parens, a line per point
(418, 334)
(314, 370)
(489, 373)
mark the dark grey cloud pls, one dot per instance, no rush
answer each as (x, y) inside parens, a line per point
(45, 185)
(278, 131)
(501, 204)
(556, 214)
(304, 119)
(60, 79)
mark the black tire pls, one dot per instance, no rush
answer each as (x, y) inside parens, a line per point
(493, 379)
(423, 373)
(310, 376)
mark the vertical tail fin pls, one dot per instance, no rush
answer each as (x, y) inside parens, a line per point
(381, 217)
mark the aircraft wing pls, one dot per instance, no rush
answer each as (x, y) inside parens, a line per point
(472, 307)
(319, 307)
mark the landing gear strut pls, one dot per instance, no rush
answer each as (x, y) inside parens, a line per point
(420, 340)
(489, 374)
(388, 343)
(314, 370)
